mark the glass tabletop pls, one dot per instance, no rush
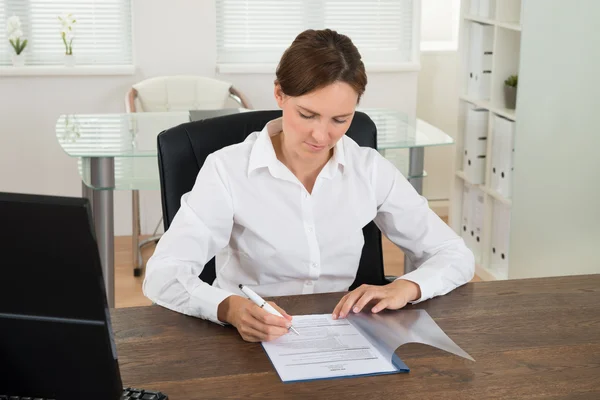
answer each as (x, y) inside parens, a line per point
(134, 135)
(131, 140)
(115, 135)
(396, 130)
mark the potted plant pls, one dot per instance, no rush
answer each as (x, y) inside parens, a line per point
(67, 32)
(510, 91)
(15, 34)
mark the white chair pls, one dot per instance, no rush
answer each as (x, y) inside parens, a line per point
(175, 93)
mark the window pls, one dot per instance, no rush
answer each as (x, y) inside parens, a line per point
(103, 32)
(258, 31)
(439, 25)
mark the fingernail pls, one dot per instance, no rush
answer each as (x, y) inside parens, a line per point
(355, 309)
(333, 316)
(288, 326)
(375, 309)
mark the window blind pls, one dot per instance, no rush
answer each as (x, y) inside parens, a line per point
(103, 31)
(258, 31)
(4, 44)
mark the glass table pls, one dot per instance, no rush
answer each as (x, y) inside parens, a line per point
(118, 152)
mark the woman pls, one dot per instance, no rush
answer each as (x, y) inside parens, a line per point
(285, 209)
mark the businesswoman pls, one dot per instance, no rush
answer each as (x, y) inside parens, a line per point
(284, 210)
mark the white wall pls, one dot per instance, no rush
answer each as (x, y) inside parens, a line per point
(437, 103)
(555, 210)
(173, 37)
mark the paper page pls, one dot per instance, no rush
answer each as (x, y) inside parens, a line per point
(325, 348)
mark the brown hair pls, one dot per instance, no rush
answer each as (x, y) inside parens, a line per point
(317, 58)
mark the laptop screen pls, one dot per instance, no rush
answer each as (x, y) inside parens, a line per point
(55, 340)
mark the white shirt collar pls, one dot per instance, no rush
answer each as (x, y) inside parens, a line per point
(263, 154)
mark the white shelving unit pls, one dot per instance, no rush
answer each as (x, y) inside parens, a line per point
(503, 19)
(551, 210)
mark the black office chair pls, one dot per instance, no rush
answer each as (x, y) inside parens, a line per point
(183, 149)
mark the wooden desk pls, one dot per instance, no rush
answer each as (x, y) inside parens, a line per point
(532, 339)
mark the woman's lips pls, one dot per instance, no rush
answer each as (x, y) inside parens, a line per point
(314, 147)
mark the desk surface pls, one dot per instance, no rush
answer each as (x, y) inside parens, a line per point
(532, 339)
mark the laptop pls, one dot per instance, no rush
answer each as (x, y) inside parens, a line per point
(56, 340)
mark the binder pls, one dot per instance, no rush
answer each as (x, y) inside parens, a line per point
(474, 7)
(475, 145)
(476, 221)
(480, 61)
(502, 156)
(486, 8)
(465, 227)
(499, 251)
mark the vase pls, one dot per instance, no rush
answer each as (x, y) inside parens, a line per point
(18, 60)
(69, 60)
(510, 97)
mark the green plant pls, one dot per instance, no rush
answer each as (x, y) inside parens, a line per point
(18, 45)
(512, 81)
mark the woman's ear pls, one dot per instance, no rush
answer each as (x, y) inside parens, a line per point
(279, 95)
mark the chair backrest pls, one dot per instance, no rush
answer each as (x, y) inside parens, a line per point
(181, 93)
(183, 149)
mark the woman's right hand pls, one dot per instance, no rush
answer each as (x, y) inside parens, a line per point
(252, 322)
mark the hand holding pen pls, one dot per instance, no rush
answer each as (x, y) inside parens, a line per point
(254, 324)
(256, 299)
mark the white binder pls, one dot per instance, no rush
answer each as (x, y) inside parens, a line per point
(502, 156)
(499, 251)
(474, 7)
(465, 227)
(480, 60)
(475, 145)
(476, 222)
(486, 8)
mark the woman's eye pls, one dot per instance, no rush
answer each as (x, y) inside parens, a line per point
(306, 116)
(337, 121)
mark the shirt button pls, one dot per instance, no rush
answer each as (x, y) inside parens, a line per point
(314, 265)
(308, 283)
(310, 229)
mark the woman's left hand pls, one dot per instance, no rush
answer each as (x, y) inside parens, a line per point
(393, 296)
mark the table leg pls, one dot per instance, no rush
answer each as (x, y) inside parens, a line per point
(416, 161)
(102, 176)
(135, 234)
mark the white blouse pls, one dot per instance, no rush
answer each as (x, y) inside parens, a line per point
(271, 235)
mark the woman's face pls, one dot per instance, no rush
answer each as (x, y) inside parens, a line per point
(314, 122)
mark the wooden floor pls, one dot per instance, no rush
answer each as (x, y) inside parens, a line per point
(128, 289)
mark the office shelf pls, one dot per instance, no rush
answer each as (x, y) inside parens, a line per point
(505, 59)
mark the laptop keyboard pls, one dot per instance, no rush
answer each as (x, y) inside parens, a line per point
(128, 394)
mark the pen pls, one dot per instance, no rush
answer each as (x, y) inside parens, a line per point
(259, 301)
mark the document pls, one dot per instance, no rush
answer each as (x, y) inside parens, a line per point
(362, 344)
(326, 348)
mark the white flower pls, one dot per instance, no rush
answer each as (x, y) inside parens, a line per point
(67, 22)
(13, 28)
(15, 35)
